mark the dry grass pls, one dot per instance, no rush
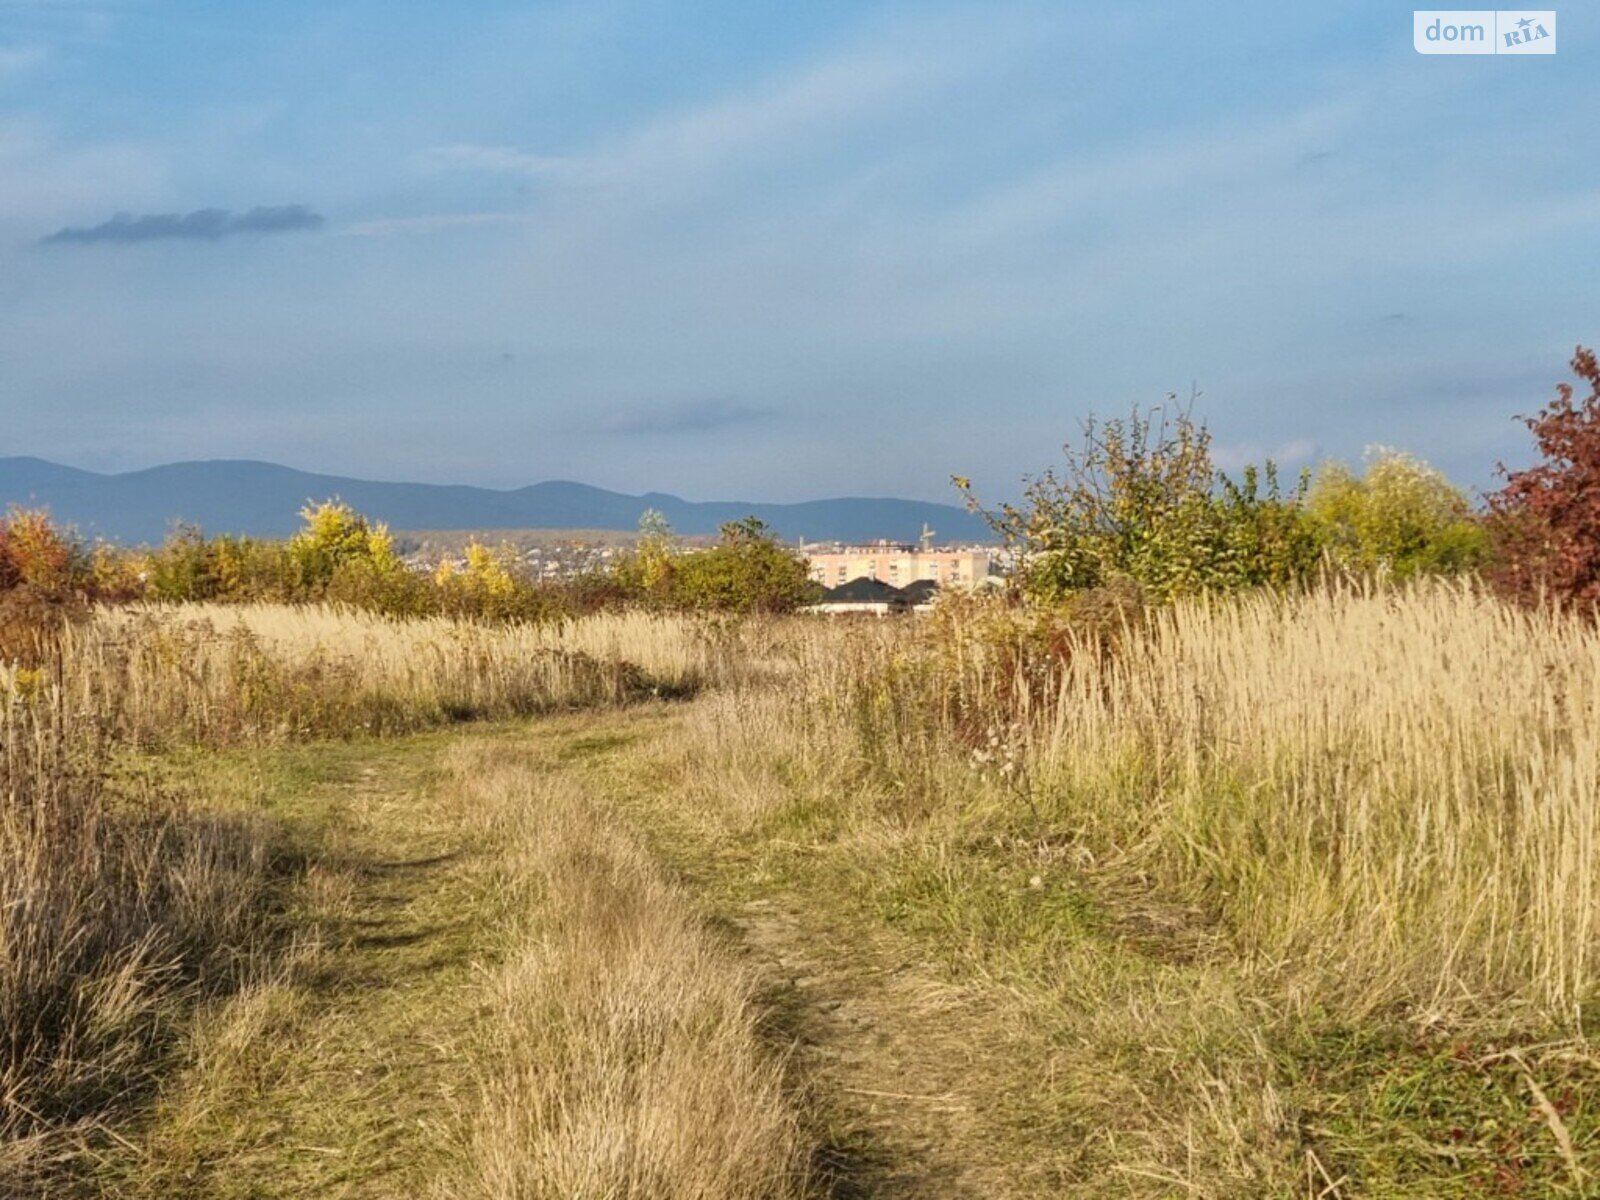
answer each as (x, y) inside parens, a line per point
(670, 648)
(263, 673)
(114, 912)
(119, 905)
(1264, 888)
(1262, 896)
(1396, 796)
(619, 1055)
(1387, 797)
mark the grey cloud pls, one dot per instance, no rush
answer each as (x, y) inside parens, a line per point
(694, 416)
(206, 224)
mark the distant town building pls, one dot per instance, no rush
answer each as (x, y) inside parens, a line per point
(869, 597)
(899, 564)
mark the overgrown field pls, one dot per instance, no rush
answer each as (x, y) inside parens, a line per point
(124, 897)
(1268, 895)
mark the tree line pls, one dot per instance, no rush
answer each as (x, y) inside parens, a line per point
(1138, 504)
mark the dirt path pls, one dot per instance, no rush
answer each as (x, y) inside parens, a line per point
(878, 1043)
(345, 1076)
(336, 1075)
(918, 1085)
(962, 1014)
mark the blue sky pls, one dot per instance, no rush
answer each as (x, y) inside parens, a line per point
(777, 251)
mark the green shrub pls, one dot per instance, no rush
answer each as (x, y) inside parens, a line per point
(339, 556)
(1402, 517)
(748, 571)
(492, 585)
(391, 589)
(189, 567)
(255, 569)
(1142, 502)
(647, 573)
(185, 567)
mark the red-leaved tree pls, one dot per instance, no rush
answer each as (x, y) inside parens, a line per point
(43, 583)
(1546, 520)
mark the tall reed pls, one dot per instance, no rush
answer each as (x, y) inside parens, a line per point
(1387, 796)
(262, 673)
(113, 908)
(1399, 793)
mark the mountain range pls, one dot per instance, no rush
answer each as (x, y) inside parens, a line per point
(263, 500)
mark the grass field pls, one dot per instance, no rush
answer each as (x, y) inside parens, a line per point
(1272, 897)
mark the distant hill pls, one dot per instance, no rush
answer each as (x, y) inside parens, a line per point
(264, 499)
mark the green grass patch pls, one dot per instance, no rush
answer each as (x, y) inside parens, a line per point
(1403, 1116)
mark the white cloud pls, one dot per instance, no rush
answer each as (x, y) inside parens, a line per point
(510, 161)
(825, 98)
(43, 180)
(1172, 166)
(1235, 456)
(433, 223)
(16, 61)
(683, 152)
(925, 238)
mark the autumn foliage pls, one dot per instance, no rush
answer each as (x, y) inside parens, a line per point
(44, 579)
(33, 553)
(1141, 503)
(1546, 520)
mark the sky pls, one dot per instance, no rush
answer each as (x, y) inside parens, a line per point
(778, 251)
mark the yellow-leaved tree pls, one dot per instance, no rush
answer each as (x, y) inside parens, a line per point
(1402, 517)
(338, 549)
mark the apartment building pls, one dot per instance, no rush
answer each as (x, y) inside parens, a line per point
(899, 564)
